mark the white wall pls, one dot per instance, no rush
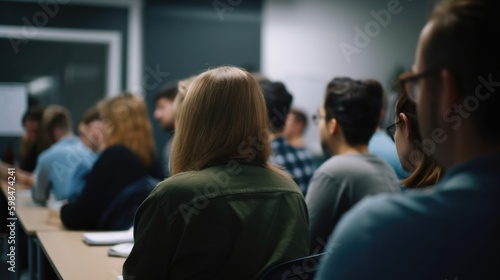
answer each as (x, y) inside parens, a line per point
(301, 44)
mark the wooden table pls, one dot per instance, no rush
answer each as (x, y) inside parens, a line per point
(72, 259)
(32, 218)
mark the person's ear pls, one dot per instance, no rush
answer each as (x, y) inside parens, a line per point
(405, 126)
(333, 126)
(451, 95)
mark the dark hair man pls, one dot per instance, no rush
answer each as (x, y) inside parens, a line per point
(347, 121)
(164, 113)
(452, 231)
(295, 160)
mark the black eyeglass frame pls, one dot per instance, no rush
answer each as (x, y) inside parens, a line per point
(316, 118)
(391, 130)
(408, 82)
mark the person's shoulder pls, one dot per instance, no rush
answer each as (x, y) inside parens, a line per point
(179, 183)
(220, 180)
(381, 165)
(183, 190)
(117, 150)
(44, 156)
(51, 153)
(117, 155)
(340, 164)
(388, 214)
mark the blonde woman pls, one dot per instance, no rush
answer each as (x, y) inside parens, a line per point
(129, 155)
(225, 213)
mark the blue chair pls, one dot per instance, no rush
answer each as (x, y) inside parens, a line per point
(119, 215)
(301, 268)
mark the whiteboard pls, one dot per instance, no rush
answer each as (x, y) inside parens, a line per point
(13, 104)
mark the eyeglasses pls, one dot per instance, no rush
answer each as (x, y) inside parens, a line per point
(316, 118)
(408, 82)
(391, 130)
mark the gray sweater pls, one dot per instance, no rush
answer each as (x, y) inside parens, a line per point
(338, 184)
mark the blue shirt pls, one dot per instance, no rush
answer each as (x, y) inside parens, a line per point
(297, 161)
(56, 167)
(79, 177)
(449, 232)
(382, 145)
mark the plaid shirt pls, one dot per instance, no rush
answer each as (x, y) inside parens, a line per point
(297, 161)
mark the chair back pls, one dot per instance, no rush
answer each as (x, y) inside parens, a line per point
(119, 215)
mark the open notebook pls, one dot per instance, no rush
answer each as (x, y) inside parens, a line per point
(109, 237)
(120, 250)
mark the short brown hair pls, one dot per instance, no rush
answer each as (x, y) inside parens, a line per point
(54, 117)
(90, 115)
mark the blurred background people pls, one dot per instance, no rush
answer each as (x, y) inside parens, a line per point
(295, 161)
(295, 126)
(165, 115)
(57, 163)
(29, 145)
(91, 136)
(129, 155)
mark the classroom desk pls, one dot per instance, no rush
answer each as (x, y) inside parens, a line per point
(35, 219)
(72, 259)
(32, 218)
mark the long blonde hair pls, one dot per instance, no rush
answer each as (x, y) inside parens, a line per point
(127, 123)
(182, 88)
(223, 116)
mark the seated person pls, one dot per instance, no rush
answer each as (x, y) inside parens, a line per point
(295, 127)
(347, 120)
(57, 164)
(452, 230)
(129, 155)
(295, 161)
(226, 212)
(383, 146)
(91, 143)
(29, 148)
(164, 114)
(424, 171)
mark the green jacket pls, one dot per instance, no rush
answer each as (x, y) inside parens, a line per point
(227, 221)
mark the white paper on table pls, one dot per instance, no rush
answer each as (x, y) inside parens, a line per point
(109, 237)
(121, 250)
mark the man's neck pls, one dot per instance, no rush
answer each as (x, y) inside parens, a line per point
(296, 142)
(69, 134)
(467, 151)
(345, 149)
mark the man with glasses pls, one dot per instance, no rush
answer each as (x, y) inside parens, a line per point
(452, 231)
(347, 120)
